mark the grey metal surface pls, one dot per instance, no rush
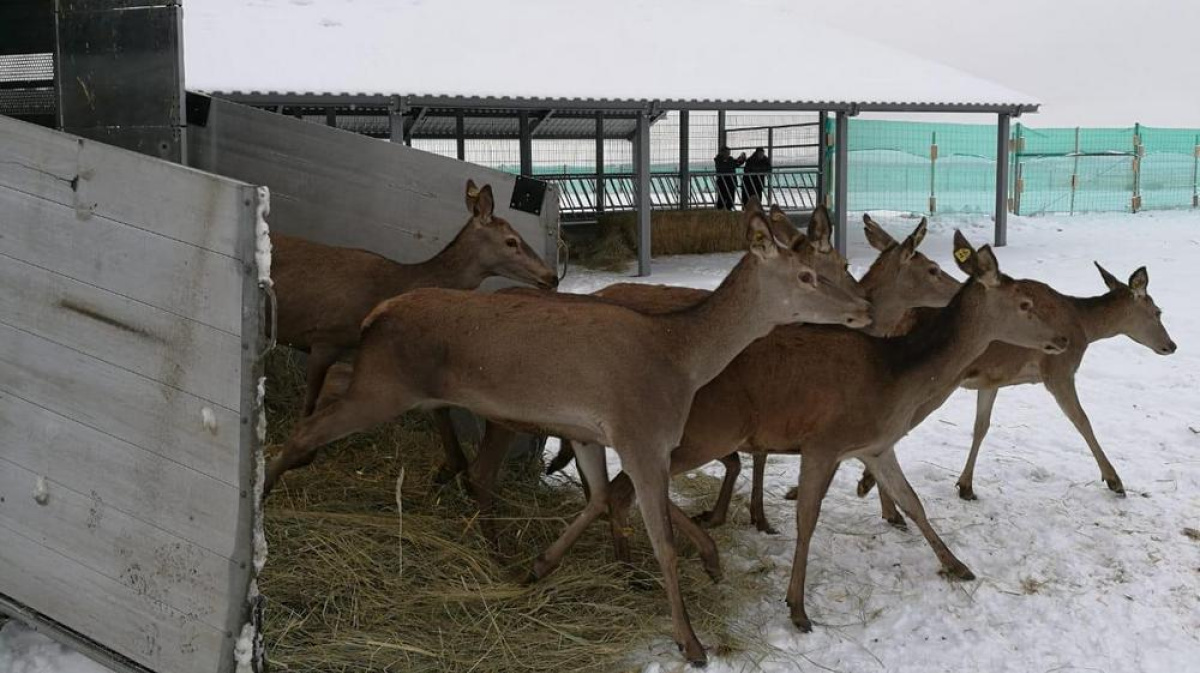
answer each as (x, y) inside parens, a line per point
(641, 158)
(126, 394)
(120, 76)
(840, 201)
(685, 178)
(345, 189)
(1001, 217)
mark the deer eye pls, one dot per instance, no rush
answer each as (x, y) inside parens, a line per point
(933, 271)
(512, 243)
(806, 277)
(1026, 305)
(1158, 313)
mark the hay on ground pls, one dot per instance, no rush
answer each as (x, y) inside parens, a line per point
(673, 232)
(339, 600)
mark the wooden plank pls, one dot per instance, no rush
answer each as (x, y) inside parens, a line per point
(344, 189)
(152, 634)
(146, 486)
(156, 417)
(93, 178)
(128, 334)
(159, 566)
(179, 278)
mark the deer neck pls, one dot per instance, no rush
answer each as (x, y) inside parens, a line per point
(454, 268)
(887, 311)
(930, 359)
(706, 337)
(1100, 316)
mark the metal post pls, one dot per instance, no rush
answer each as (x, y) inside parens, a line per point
(331, 116)
(1002, 180)
(526, 144)
(1196, 174)
(460, 133)
(685, 171)
(720, 129)
(770, 154)
(933, 155)
(840, 196)
(396, 120)
(822, 145)
(1135, 203)
(1075, 171)
(642, 159)
(600, 198)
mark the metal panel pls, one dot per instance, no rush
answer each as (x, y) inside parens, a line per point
(1001, 217)
(840, 175)
(127, 453)
(344, 189)
(26, 26)
(121, 75)
(642, 159)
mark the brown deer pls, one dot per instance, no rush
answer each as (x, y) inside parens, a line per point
(325, 292)
(1124, 309)
(831, 394)
(600, 374)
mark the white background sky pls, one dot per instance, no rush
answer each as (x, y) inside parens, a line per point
(1091, 62)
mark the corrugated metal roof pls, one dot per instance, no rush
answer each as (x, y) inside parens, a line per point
(525, 53)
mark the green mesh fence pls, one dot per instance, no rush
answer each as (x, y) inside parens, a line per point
(925, 167)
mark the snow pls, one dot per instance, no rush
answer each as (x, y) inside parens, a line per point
(618, 49)
(1070, 577)
(262, 238)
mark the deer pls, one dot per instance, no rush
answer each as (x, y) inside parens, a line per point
(600, 374)
(901, 278)
(1126, 309)
(831, 394)
(324, 292)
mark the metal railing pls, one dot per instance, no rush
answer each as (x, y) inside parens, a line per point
(584, 195)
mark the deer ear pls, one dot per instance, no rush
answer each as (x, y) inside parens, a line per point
(909, 247)
(1109, 280)
(484, 204)
(964, 254)
(781, 225)
(1138, 282)
(471, 196)
(820, 230)
(758, 233)
(876, 236)
(987, 267)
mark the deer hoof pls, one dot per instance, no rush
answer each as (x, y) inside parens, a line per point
(1115, 485)
(865, 485)
(445, 474)
(707, 519)
(713, 570)
(897, 521)
(693, 651)
(792, 493)
(642, 581)
(959, 571)
(966, 492)
(802, 622)
(765, 527)
(541, 568)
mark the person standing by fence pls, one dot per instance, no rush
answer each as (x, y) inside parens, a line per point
(727, 176)
(755, 174)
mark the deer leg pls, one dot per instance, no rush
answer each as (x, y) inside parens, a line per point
(1068, 400)
(758, 514)
(483, 472)
(360, 409)
(716, 516)
(651, 483)
(454, 461)
(983, 420)
(891, 478)
(816, 473)
(590, 459)
(320, 358)
(566, 453)
(621, 498)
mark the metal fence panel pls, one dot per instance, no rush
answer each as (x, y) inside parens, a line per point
(130, 328)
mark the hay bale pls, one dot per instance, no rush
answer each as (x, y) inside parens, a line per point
(674, 232)
(339, 598)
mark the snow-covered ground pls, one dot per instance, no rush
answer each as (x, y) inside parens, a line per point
(1070, 577)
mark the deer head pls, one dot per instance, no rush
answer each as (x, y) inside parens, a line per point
(495, 247)
(910, 275)
(1138, 317)
(792, 288)
(1018, 312)
(815, 247)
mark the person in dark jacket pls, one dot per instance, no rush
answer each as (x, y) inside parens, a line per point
(727, 176)
(755, 174)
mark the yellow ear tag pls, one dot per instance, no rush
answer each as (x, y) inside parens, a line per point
(962, 254)
(759, 237)
(473, 192)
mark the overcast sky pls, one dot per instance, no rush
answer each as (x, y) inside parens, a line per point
(1091, 63)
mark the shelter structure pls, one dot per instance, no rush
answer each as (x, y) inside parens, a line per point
(548, 69)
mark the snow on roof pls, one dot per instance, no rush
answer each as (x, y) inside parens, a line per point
(678, 50)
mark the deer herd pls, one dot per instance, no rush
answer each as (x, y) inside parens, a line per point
(789, 355)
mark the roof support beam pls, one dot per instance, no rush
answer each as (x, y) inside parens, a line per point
(641, 156)
(1002, 180)
(539, 120)
(600, 162)
(460, 133)
(685, 172)
(396, 110)
(839, 182)
(411, 125)
(526, 145)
